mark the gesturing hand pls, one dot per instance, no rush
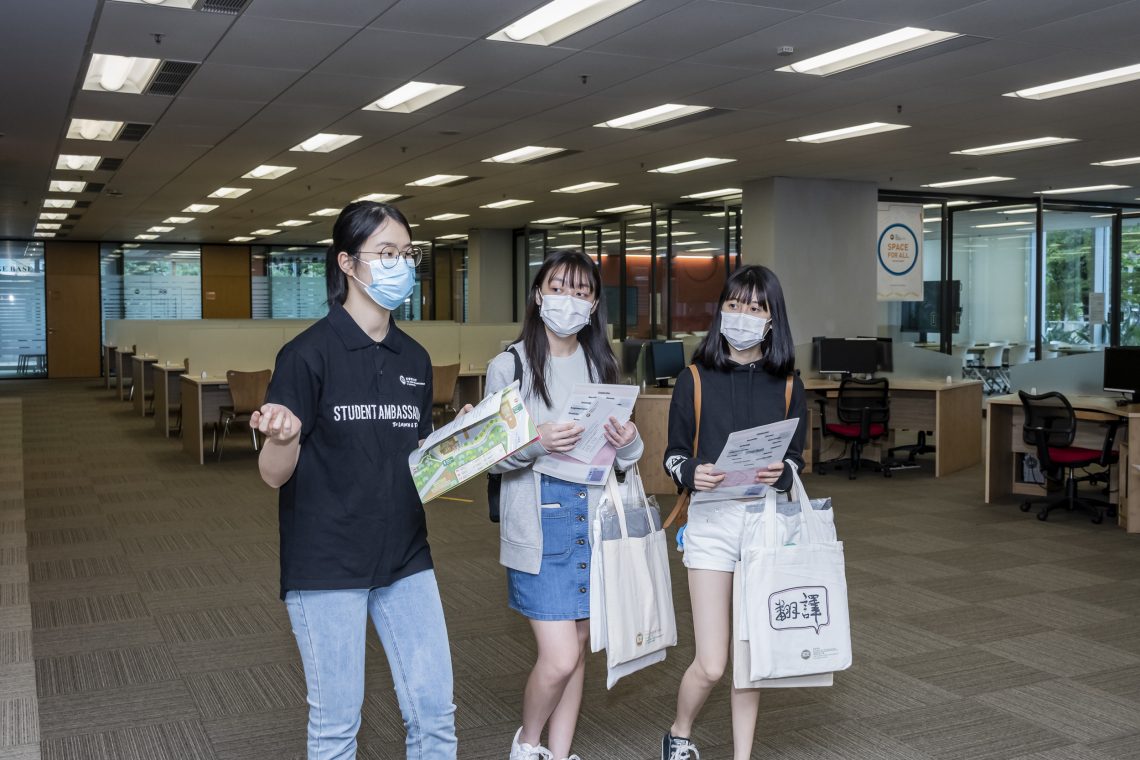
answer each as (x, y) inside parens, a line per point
(276, 423)
(559, 437)
(619, 435)
(706, 478)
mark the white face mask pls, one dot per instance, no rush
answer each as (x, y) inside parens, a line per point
(743, 331)
(565, 315)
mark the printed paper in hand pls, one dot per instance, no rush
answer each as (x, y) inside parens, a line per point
(590, 405)
(745, 452)
(468, 445)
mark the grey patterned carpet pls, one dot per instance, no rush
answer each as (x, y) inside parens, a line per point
(980, 633)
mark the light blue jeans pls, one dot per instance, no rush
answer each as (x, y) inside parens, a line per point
(330, 627)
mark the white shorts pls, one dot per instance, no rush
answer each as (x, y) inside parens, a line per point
(715, 534)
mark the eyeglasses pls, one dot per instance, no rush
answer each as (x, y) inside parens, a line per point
(390, 254)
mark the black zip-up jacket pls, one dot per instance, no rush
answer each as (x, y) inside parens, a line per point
(744, 396)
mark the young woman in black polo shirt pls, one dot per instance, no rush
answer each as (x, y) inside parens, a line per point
(350, 398)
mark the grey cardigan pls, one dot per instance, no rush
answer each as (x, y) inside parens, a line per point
(520, 501)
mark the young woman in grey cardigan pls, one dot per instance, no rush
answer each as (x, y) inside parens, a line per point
(544, 524)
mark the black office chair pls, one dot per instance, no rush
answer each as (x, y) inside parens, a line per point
(863, 408)
(1050, 427)
(913, 451)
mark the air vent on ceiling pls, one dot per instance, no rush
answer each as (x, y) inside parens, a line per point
(133, 131)
(110, 164)
(230, 7)
(94, 187)
(170, 77)
(82, 204)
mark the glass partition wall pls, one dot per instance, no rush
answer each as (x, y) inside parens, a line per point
(23, 327)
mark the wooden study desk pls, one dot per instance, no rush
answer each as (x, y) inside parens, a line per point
(143, 380)
(167, 393)
(952, 410)
(123, 372)
(1005, 449)
(202, 398)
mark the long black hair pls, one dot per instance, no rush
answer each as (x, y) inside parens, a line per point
(356, 222)
(747, 284)
(578, 271)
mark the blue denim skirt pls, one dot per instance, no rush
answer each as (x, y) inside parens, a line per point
(561, 589)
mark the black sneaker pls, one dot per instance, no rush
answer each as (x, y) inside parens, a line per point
(678, 748)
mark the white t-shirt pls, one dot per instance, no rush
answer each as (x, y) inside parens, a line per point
(562, 374)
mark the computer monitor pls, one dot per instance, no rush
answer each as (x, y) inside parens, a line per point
(885, 361)
(665, 360)
(848, 356)
(1122, 370)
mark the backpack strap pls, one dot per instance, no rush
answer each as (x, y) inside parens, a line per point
(518, 366)
(680, 513)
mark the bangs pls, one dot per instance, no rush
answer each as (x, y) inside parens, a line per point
(574, 273)
(747, 290)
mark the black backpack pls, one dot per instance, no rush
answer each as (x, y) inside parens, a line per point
(495, 482)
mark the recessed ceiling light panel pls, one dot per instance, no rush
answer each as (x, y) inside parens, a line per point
(689, 166)
(859, 130)
(229, 192)
(508, 203)
(324, 142)
(66, 186)
(1010, 147)
(559, 19)
(724, 191)
(199, 208)
(267, 171)
(972, 181)
(1083, 189)
(94, 129)
(651, 116)
(869, 51)
(584, 187)
(412, 97)
(447, 217)
(436, 180)
(522, 155)
(1079, 84)
(76, 163)
(117, 73)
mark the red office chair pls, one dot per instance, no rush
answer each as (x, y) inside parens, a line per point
(863, 408)
(1050, 427)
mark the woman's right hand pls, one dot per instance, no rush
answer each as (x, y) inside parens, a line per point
(276, 423)
(559, 437)
(706, 478)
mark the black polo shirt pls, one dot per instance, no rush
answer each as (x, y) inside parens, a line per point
(350, 516)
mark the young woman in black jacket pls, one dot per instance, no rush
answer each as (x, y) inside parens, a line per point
(746, 365)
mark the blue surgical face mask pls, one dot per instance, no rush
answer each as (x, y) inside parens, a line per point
(390, 287)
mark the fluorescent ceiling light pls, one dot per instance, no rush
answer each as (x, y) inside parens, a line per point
(651, 116)
(164, 3)
(453, 236)
(326, 212)
(328, 241)
(241, 239)
(675, 233)
(66, 186)
(859, 130)
(294, 222)
(324, 142)
(1113, 162)
(229, 192)
(714, 193)
(949, 203)
(1036, 142)
(117, 73)
(199, 208)
(93, 129)
(691, 242)
(623, 209)
(997, 224)
(558, 19)
(584, 187)
(932, 220)
(267, 171)
(146, 237)
(177, 219)
(41, 234)
(974, 181)
(1079, 84)
(437, 180)
(378, 198)
(447, 217)
(552, 220)
(868, 51)
(688, 166)
(159, 228)
(522, 155)
(77, 163)
(48, 225)
(1085, 189)
(49, 215)
(264, 232)
(699, 250)
(412, 97)
(508, 203)
(58, 203)
(1021, 211)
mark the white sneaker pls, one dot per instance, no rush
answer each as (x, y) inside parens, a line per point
(527, 752)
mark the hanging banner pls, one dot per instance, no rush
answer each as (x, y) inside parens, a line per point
(898, 258)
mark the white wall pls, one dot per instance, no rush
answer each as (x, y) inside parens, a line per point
(818, 236)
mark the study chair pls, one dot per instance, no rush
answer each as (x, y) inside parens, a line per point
(443, 381)
(1050, 427)
(247, 390)
(864, 412)
(992, 369)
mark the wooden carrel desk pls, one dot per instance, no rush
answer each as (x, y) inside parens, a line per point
(167, 394)
(1005, 450)
(143, 380)
(202, 398)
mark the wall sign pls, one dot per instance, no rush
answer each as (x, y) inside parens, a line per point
(898, 258)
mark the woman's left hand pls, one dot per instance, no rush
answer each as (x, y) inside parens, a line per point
(769, 475)
(619, 435)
